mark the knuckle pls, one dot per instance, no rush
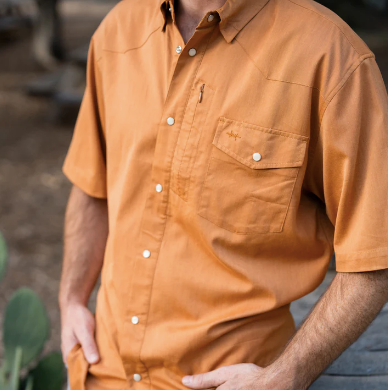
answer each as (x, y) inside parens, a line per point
(252, 366)
(84, 328)
(85, 338)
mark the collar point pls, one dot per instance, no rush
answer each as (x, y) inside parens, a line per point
(228, 31)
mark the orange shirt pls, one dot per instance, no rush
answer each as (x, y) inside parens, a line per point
(233, 166)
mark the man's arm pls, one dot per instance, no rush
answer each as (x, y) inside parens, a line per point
(342, 314)
(86, 232)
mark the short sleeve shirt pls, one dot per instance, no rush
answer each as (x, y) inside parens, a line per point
(233, 165)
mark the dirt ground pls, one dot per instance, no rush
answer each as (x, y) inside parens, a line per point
(33, 190)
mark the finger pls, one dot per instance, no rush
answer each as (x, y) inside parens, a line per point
(89, 346)
(227, 386)
(67, 344)
(209, 379)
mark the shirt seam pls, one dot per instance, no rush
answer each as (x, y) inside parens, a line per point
(329, 20)
(375, 252)
(270, 130)
(276, 80)
(334, 93)
(133, 48)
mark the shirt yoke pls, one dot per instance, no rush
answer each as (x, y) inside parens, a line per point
(303, 43)
(128, 26)
(325, 15)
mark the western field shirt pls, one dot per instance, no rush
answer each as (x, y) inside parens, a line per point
(233, 166)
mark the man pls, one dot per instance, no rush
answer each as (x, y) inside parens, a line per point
(228, 148)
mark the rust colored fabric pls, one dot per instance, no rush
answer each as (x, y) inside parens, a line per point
(233, 168)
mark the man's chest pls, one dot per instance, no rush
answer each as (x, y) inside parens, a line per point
(205, 118)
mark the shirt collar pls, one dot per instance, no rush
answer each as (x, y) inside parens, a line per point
(234, 15)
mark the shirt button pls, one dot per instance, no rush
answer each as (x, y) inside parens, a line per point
(178, 49)
(256, 156)
(170, 120)
(159, 188)
(192, 52)
(135, 320)
(146, 254)
(137, 377)
(210, 17)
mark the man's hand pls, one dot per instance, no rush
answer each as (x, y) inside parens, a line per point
(78, 326)
(246, 376)
(236, 377)
(86, 232)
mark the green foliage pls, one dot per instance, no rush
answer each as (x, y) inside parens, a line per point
(29, 383)
(48, 374)
(15, 379)
(25, 325)
(3, 256)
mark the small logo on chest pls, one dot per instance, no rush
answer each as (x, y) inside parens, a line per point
(234, 135)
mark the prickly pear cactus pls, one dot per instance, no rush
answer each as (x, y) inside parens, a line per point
(3, 256)
(49, 373)
(25, 326)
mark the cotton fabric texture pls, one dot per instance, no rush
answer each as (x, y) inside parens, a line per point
(232, 173)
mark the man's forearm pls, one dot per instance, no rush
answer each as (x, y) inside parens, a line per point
(342, 314)
(86, 231)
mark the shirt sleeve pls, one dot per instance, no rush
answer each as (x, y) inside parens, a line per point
(85, 162)
(349, 169)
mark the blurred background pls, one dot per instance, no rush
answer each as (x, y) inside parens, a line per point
(43, 51)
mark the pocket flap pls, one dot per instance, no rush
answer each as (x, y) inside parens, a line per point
(259, 147)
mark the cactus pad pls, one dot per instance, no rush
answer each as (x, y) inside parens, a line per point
(25, 325)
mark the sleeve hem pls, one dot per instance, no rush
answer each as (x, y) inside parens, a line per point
(372, 260)
(84, 183)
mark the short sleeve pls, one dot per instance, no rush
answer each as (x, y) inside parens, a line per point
(349, 169)
(85, 162)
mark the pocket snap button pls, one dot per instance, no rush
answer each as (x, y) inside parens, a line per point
(256, 156)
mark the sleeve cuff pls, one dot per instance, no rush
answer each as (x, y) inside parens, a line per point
(371, 260)
(95, 188)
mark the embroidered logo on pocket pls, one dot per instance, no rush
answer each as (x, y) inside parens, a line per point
(231, 134)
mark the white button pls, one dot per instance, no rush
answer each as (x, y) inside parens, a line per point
(137, 377)
(170, 120)
(256, 156)
(178, 49)
(146, 254)
(170, 9)
(192, 52)
(135, 320)
(159, 188)
(210, 17)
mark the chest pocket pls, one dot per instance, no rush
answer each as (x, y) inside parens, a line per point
(250, 177)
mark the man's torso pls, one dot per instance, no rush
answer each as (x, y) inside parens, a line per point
(213, 228)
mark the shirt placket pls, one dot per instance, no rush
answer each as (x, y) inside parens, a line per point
(155, 213)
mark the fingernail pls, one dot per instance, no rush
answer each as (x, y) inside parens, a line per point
(187, 380)
(93, 358)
